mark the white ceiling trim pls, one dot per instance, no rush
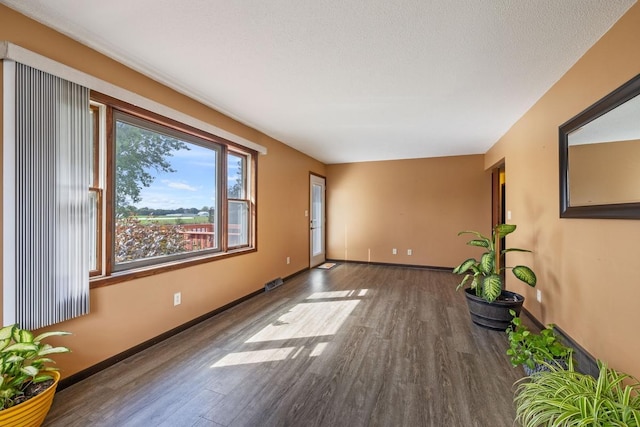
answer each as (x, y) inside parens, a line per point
(13, 52)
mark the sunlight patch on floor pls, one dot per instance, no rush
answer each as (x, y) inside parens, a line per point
(318, 349)
(304, 320)
(269, 355)
(338, 294)
(307, 320)
(256, 356)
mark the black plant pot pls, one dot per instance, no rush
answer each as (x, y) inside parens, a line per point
(493, 315)
(541, 367)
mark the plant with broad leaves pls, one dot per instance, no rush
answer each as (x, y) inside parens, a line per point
(24, 359)
(485, 272)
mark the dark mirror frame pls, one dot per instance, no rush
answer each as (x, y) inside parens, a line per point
(619, 96)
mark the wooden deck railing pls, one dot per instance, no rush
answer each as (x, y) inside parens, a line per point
(202, 236)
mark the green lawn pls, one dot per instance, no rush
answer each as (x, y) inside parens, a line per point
(192, 219)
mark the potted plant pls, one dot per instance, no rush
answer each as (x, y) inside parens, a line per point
(27, 381)
(489, 303)
(560, 397)
(535, 351)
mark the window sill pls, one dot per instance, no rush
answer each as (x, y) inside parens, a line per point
(125, 276)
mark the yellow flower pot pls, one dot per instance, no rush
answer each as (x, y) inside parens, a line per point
(32, 412)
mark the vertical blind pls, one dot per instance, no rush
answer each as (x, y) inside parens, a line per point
(52, 160)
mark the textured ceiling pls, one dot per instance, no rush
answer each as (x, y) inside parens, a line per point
(348, 81)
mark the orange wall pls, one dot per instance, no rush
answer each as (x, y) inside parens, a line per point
(1, 163)
(126, 314)
(418, 204)
(586, 267)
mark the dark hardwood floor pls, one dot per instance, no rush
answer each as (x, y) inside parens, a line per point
(357, 345)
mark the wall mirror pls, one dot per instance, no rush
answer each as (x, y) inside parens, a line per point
(600, 158)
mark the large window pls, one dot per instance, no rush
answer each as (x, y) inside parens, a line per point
(172, 193)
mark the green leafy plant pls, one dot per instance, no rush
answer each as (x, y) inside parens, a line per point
(485, 272)
(535, 350)
(24, 360)
(565, 398)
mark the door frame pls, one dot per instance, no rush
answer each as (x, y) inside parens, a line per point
(498, 206)
(320, 258)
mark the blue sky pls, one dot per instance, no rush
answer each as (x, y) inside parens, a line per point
(191, 186)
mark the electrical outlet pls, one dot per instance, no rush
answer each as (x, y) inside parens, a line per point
(288, 260)
(394, 251)
(539, 295)
(409, 252)
(177, 298)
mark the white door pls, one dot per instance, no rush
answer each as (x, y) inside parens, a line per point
(317, 223)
